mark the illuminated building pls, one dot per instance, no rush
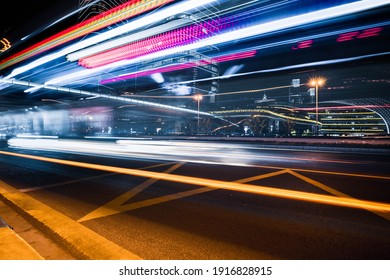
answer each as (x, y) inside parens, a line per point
(359, 117)
(159, 54)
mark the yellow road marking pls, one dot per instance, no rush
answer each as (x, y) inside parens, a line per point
(116, 206)
(327, 172)
(334, 192)
(317, 184)
(146, 203)
(77, 237)
(232, 186)
(262, 176)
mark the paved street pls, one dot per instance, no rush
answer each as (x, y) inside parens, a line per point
(327, 205)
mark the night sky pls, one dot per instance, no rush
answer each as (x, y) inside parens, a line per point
(358, 79)
(24, 18)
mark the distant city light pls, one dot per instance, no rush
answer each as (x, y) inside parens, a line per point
(6, 45)
(317, 82)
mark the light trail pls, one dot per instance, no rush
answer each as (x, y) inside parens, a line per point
(60, 19)
(126, 39)
(161, 150)
(133, 25)
(180, 66)
(181, 36)
(288, 67)
(216, 94)
(113, 97)
(217, 184)
(345, 107)
(262, 113)
(124, 11)
(149, 149)
(209, 153)
(243, 33)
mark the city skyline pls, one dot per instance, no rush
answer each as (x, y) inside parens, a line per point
(349, 52)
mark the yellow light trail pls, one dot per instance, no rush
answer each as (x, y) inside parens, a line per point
(217, 184)
(217, 94)
(306, 120)
(124, 11)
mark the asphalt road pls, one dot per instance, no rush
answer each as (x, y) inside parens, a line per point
(158, 218)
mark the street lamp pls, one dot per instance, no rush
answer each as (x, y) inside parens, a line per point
(317, 82)
(198, 97)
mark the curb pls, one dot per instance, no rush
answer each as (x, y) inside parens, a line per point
(81, 242)
(13, 247)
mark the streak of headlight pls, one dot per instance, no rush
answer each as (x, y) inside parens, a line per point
(217, 94)
(233, 70)
(36, 136)
(158, 77)
(107, 96)
(180, 66)
(33, 89)
(95, 23)
(162, 150)
(289, 67)
(72, 13)
(293, 21)
(61, 19)
(131, 26)
(217, 184)
(248, 32)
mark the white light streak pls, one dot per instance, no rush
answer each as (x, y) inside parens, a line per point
(233, 70)
(210, 153)
(107, 96)
(296, 66)
(244, 33)
(131, 26)
(158, 77)
(126, 39)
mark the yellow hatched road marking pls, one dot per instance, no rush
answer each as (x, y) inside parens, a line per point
(261, 176)
(232, 186)
(328, 189)
(116, 206)
(77, 237)
(327, 172)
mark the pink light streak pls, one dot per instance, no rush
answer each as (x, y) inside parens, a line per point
(179, 37)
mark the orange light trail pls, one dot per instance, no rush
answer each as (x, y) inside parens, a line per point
(217, 184)
(125, 11)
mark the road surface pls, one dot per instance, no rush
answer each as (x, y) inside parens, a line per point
(199, 200)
